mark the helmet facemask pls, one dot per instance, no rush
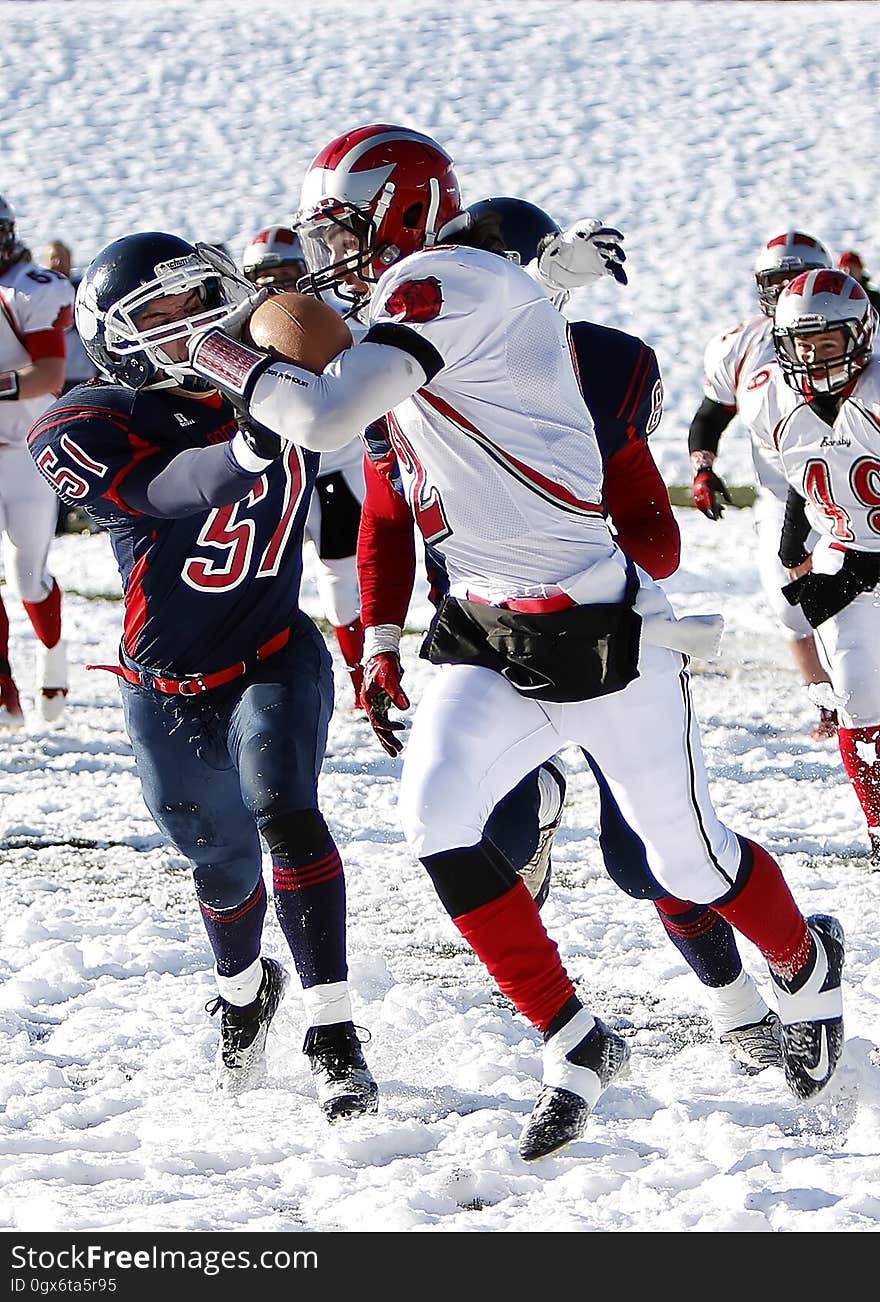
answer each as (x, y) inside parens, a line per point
(823, 332)
(339, 243)
(217, 289)
(828, 374)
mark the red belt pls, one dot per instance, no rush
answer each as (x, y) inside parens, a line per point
(204, 682)
(529, 605)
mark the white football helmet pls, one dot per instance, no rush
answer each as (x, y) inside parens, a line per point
(822, 303)
(275, 255)
(781, 259)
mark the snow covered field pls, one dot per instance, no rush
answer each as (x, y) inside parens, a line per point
(699, 128)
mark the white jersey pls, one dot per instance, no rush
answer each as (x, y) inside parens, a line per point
(32, 300)
(497, 450)
(836, 469)
(737, 364)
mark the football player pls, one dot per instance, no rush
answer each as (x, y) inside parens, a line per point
(820, 414)
(737, 365)
(621, 383)
(226, 685)
(35, 311)
(548, 634)
(274, 258)
(852, 264)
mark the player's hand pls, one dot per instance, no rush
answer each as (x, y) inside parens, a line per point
(798, 571)
(583, 253)
(381, 689)
(233, 324)
(709, 494)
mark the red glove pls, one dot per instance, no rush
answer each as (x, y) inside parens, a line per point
(381, 690)
(709, 493)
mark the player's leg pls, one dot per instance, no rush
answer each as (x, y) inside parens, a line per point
(473, 739)
(524, 823)
(645, 747)
(277, 736)
(30, 516)
(769, 516)
(850, 641)
(191, 789)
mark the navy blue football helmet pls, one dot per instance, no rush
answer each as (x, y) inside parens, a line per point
(130, 274)
(523, 227)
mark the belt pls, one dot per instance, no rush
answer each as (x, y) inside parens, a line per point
(202, 682)
(529, 605)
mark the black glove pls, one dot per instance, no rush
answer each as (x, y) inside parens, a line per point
(821, 596)
(708, 494)
(262, 441)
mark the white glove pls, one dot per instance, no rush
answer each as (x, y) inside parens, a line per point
(583, 253)
(233, 324)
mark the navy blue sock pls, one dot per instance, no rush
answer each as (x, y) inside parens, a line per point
(705, 941)
(235, 933)
(309, 896)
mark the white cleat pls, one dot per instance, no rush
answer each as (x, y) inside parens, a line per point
(552, 784)
(811, 1011)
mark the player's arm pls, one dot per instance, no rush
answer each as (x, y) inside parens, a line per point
(193, 481)
(386, 554)
(638, 504)
(45, 372)
(320, 412)
(708, 491)
(795, 530)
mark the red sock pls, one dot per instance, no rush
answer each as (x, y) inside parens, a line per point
(507, 935)
(351, 642)
(766, 914)
(863, 772)
(45, 616)
(4, 632)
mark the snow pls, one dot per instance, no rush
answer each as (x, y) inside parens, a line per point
(698, 129)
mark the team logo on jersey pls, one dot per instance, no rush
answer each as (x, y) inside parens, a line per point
(416, 300)
(759, 379)
(183, 420)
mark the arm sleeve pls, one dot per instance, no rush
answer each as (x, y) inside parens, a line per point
(639, 507)
(386, 554)
(324, 412)
(795, 529)
(194, 480)
(709, 423)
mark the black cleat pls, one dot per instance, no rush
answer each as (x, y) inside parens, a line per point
(343, 1082)
(578, 1065)
(241, 1059)
(811, 1009)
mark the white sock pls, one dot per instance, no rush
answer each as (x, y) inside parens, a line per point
(738, 1004)
(243, 988)
(327, 1004)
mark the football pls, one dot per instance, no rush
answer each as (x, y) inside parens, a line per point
(298, 328)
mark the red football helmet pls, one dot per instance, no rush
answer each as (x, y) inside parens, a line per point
(835, 307)
(369, 198)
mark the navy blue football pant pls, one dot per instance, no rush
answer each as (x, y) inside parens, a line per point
(222, 766)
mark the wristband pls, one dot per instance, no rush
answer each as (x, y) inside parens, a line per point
(381, 639)
(244, 458)
(9, 386)
(232, 367)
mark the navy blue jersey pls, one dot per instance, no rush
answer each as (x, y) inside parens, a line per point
(621, 384)
(210, 556)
